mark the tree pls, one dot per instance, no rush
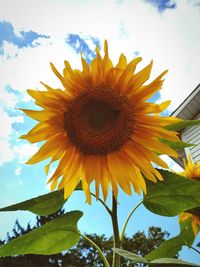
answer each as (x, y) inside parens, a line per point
(83, 254)
(30, 260)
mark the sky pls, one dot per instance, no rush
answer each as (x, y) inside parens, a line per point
(34, 33)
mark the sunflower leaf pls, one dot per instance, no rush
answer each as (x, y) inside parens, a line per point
(187, 232)
(168, 248)
(173, 195)
(129, 255)
(170, 262)
(182, 124)
(177, 145)
(41, 205)
(53, 237)
(171, 247)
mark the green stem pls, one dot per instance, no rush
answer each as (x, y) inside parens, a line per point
(127, 220)
(106, 263)
(116, 257)
(103, 203)
(195, 249)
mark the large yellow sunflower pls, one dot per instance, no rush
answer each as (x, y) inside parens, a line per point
(100, 126)
(191, 171)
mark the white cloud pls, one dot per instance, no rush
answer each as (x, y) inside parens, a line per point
(6, 153)
(18, 170)
(171, 38)
(32, 65)
(6, 124)
(24, 151)
(17, 119)
(10, 50)
(7, 99)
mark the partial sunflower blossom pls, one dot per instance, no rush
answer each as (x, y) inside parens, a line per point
(195, 221)
(101, 128)
(191, 171)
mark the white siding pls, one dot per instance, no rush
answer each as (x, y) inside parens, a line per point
(190, 107)
(192, 135)
(190, 110)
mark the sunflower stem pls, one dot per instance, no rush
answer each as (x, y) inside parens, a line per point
(116, 257)
(195, 249)
(104, 204)
(127, 220)
(106, 263)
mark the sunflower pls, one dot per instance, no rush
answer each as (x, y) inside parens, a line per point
(195, 221)
(100, 127)
(191, 171)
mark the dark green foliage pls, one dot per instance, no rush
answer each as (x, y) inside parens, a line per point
(84, 255)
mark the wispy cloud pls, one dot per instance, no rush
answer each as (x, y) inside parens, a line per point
(162, 5)
(81, 45)
(6, 154)
(22, 39)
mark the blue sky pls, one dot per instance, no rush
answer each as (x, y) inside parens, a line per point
(166, 31)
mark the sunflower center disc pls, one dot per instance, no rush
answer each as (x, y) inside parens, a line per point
(99, 121)
(99, 116)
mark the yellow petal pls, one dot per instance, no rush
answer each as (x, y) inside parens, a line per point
(142, 76)
(120, 170)
(39, 115)
(86, 68)
(60, 77)
(128, 72)
(122, 62)
(70, 186)
(52, 146)
(147, 91)
(40, 133)
(86, 190)
(106, 63)
(53, 185)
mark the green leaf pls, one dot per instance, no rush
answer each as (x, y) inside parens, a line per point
(177, 145)
(183, 124)
(171, 247)
(53, 237)
(173, 195)
(42, 205)
(129, 255)
(168, 248)
(187, 232)
(171, 262)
